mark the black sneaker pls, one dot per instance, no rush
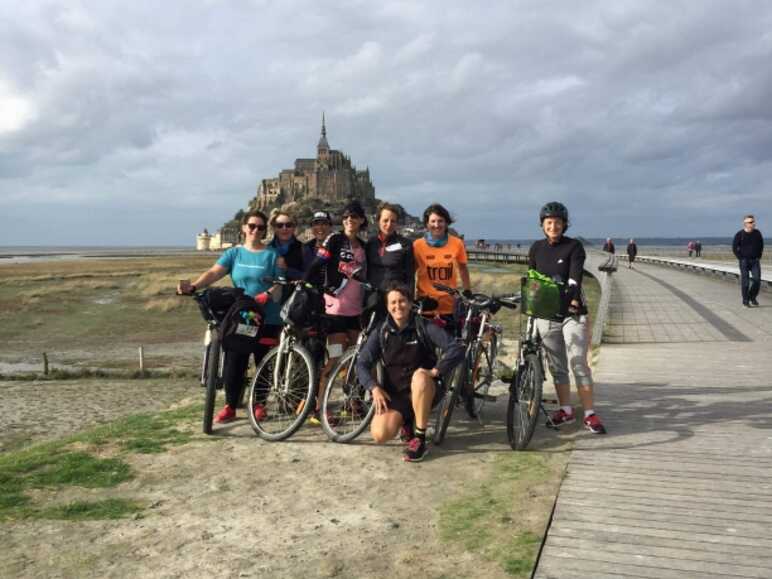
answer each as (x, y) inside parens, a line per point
(746, 304)
(754, 302)
(416, 450)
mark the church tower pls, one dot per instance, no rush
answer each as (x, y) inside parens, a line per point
(323, 148)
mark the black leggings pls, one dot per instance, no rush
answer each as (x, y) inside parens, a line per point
(235, 366)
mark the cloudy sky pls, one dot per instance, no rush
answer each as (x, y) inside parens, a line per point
(131, 123)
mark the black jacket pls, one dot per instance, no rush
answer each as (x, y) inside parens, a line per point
(563, 262)
(405, 353)
(632, 249)
(390, 260)
(748, 245)
(335, 250)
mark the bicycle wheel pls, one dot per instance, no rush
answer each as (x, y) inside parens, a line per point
(347, 407)
(449, 402)
(481, 374)
(284, 385)
(524, 402)
(212, 373)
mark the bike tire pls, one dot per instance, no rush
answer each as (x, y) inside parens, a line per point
(287, 400)
(346, 401)
(212, 378)
(524, 402)
(449, 402)
(481, 375)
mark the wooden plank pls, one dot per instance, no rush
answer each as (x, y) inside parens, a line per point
(648, 564)
(724, 562)
(569, 530)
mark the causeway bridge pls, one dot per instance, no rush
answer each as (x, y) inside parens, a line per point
(682, 484)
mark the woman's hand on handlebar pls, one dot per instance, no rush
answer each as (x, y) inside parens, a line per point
(185, 288)
(380, 399)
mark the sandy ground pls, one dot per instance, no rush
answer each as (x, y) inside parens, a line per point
(232, 505)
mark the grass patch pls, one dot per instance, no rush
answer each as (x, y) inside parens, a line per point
(505, 518)
(143, 433)
(92, 510)
(73, 462)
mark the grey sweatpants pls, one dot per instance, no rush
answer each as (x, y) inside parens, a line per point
(565, 344)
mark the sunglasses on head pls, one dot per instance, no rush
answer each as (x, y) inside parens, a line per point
(284, 225)
(258, 226)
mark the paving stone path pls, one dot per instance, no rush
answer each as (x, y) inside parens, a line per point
(681, 486)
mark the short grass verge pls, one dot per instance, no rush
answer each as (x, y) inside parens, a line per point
(505, 518)
(75, 462)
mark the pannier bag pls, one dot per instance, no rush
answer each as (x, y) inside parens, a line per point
(240, 329)
(540, 296)
(219, 300)
(304, 307)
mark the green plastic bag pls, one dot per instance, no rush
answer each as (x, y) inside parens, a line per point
(540, 296)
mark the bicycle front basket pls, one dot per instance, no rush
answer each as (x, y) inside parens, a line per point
(540, 296)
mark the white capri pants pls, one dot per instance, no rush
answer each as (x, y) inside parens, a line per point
(565, 344)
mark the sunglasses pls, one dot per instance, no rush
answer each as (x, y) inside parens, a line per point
(258, 226)
(285, 225)
(351, 216)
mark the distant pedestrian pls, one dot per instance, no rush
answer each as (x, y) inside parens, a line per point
(698, 248)
(690, 248)
(632, 251)
(608, 247)
(748, 246)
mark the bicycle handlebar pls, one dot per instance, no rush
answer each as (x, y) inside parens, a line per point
(481, 301)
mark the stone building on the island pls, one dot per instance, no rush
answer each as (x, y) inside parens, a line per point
(330, 177)
(327, 182)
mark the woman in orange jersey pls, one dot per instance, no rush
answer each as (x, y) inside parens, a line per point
(440, 258)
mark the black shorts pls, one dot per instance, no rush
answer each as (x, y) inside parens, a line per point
(342, 324)
(402, 402)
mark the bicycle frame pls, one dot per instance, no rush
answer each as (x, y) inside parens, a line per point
(531, 343)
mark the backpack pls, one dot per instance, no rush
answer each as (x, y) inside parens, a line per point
(240, 328)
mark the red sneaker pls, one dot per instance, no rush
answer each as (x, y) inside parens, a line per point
(227, 414)
(561, 417)
(260, 412)
(594, 425)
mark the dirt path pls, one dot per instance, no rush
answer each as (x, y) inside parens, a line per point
(234, 506)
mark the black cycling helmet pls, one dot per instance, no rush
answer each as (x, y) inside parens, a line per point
(554, 209)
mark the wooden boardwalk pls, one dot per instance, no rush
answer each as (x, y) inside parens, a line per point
(682, 484)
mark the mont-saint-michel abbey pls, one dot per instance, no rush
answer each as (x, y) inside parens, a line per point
(325, 182)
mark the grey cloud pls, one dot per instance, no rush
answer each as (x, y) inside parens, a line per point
(628, 111)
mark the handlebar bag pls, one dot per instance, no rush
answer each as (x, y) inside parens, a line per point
(303, 308)
(540, 296)
(240, 329)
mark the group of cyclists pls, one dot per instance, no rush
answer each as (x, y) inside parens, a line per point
(414, 352)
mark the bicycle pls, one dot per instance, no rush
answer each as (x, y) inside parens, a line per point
(213, 304)
(525, 390)
(285, 380)
(476, 373)
(346, 406)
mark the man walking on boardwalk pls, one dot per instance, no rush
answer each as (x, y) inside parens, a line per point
(748, 246)
(632, 251)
